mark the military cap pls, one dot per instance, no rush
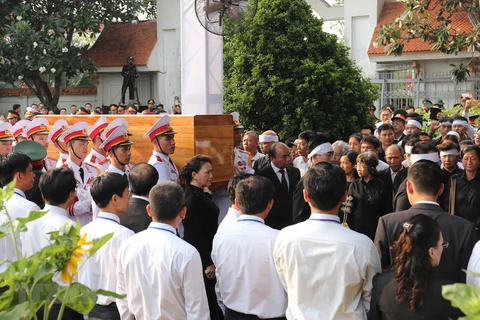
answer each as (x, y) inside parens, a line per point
(160, 128)
(151, 101)
(33, 149)
(98, 127)
(119, 137)
(427, 103)
(58, 129)
(36, 126)
(78, 131)
(6, 132)
(19, 127)
(112, 126)
(12, 114)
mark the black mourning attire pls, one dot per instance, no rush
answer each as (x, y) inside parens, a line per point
(200, 225)
(129, 73)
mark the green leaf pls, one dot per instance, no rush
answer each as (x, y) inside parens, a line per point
(80, 298)
(110, 294)
(33, 215)
(464, 297)
(98, 243)
(17, 312)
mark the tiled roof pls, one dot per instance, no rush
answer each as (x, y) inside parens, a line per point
(392, 10)
(121, 40)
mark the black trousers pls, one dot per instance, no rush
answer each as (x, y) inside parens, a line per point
(109, 312)
(215, 311)
(234, 315)
(68, 314)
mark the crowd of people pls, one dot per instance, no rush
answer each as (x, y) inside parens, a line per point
(368, 228)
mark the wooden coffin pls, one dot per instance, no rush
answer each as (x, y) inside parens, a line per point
(211, 135)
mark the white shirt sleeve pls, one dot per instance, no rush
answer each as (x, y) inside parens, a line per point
(163, 172)
(122, 304)
(196, 305)
(372, 268)
(474, 266)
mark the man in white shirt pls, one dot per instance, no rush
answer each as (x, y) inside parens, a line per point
(233, 212)
(171, 287)
(111, 195)
(58, 190)
(326, 268)
(15, 166)
(246, 248)
(250, 145)
(301, 162)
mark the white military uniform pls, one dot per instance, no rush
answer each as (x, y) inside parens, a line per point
(240, 161)
(82, 207)
(49, 163)
(98, 160)
(62, 159)
(167, 171)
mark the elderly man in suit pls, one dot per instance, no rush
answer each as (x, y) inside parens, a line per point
(424, 185)
(143, 177)
(394, 175)
(284, 178)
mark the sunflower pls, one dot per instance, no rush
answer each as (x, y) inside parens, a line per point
(71, 267)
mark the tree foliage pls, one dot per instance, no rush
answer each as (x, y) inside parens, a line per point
(36, 39)
(284, 73)
(431, 21)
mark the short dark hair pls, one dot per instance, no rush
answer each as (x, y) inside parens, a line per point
(63, 109)
(10, 164)
(368, 127)
(254, 194)
(143, 177)
(423, 147)
(316, 140)
(193, 165)
(410, 137)
(448, 146)
(424, 134)
(325, 184)
(426, 176)
(471, 148)
(306, 135)
(356, 136)
(232, 184)
(166, 201)
(56, 185)
(466, 142)
(371, 140)
(105, 186)
(370, 159)
(385, 126)
(272, 151)
(459, 117)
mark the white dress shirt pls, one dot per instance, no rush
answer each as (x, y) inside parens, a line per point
(98, 272)
(18, 207)
(257, 156)
(301, 165)
(112, 169)
(162, 277)
(279, 175)
(474, 266)
(37, 237)
(245, 271)
(166, 170)
(230, 219)
(327, 269)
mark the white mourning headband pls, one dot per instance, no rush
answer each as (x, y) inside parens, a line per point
(424, 156)
(321, 149)
(415, 123)
(460, 122)
(449, 152)
(267, 138)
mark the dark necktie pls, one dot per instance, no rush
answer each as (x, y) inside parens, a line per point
(81, 173)
(284, 180)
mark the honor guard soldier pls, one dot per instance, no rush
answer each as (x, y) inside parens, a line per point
(35, 151)
(18, 130)
(98, 156)
(13, 117)
(109, 130)
(6, 138)
(57, 130)
(161, 135)
(37, 130)
(240, 157)
(118, 146)
(76, 138)
(150, 104)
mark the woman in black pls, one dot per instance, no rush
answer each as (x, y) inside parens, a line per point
(410, 291)
(464, 200)
(347, 163)
(201, 221)
(371, 197)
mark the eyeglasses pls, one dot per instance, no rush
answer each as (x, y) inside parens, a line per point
(445, 244)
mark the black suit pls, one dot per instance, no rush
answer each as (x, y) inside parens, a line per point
(459, 233)
(261, 163)
(386, 176)
(384, 307)
(301, 209)
(136, 217)
(281, 214)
